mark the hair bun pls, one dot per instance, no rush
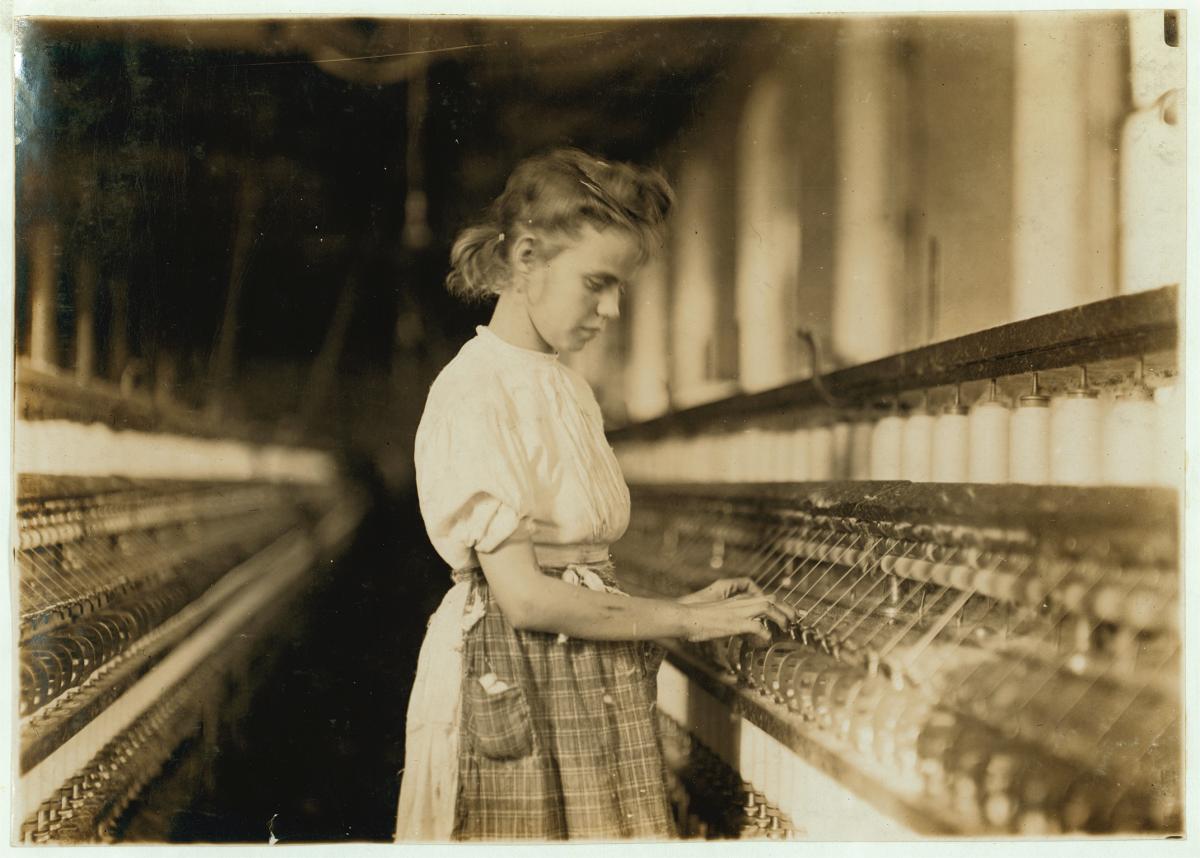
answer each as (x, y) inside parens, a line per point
(558, 192)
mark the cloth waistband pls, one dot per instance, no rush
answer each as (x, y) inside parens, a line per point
(557, 556)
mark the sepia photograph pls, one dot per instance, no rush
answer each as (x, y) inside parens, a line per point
(655, 429)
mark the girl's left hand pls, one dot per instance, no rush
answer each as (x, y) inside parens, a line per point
(722, 588)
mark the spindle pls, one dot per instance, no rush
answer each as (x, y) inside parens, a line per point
(1029, 442)
(1076, 436)
(951, 440)
(887, 445)
(989, 440)
(1130, 428)
(917, 445)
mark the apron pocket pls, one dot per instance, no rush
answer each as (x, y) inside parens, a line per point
(498, 723)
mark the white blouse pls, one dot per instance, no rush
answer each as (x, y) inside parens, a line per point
(510, 439)
(513, 439)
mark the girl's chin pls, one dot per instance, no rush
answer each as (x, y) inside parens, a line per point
(576, 342)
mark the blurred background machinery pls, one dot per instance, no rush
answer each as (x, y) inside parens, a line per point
(974, 654)
(909, 358)
(157, 574)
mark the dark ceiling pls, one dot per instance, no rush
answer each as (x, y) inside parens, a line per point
(180, 156)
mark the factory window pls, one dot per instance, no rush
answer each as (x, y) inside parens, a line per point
(768, 240)
(703, 343)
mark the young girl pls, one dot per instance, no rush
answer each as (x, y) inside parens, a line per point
(532, 713)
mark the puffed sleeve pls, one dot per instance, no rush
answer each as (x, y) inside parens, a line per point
(472, 480)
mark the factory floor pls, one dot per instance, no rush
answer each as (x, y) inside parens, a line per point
(315, 755)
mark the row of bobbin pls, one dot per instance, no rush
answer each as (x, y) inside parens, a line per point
(1074, 439)
(1077, 438)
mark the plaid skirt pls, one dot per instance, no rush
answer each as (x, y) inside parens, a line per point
(559, 738)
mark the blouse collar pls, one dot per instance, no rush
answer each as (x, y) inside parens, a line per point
(488, 335)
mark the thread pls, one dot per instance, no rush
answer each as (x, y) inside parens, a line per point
(762, 457)
(1130, 440)
(688, 450)
(988, 440)
(951, 441)
(776, 461)
(1169, 440)
(1131, 436)
(916, 462)
(748, 460)
(886, 447)
(715, 451)
(1076, 437)
(728, 462)
(799, 444)
(1029, 439)
(841, 450)
(858, 466)
(684, 457)
(821, 456)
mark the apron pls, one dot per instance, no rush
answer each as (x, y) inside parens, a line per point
(519, 734)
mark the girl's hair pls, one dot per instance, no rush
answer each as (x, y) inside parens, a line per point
(558, 193)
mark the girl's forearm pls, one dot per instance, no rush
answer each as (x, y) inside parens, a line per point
(582, 613)
(536, 602)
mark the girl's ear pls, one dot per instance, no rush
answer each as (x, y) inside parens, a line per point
(525, 254)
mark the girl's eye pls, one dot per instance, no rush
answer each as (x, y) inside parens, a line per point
(601, 285)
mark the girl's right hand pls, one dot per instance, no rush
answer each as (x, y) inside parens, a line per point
(737, 615)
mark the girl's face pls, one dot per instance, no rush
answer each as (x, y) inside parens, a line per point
(571, 296)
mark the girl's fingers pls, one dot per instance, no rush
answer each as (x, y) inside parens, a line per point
(782, 613)
(744, 585)
(759, 630)
(787, 610)
(763, 609)
(779, 617)
(750, 615)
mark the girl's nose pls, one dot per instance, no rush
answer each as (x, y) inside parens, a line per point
(610, 304)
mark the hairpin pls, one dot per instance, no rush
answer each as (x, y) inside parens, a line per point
(621, 210)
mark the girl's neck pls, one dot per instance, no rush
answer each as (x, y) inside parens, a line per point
(511, 323)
